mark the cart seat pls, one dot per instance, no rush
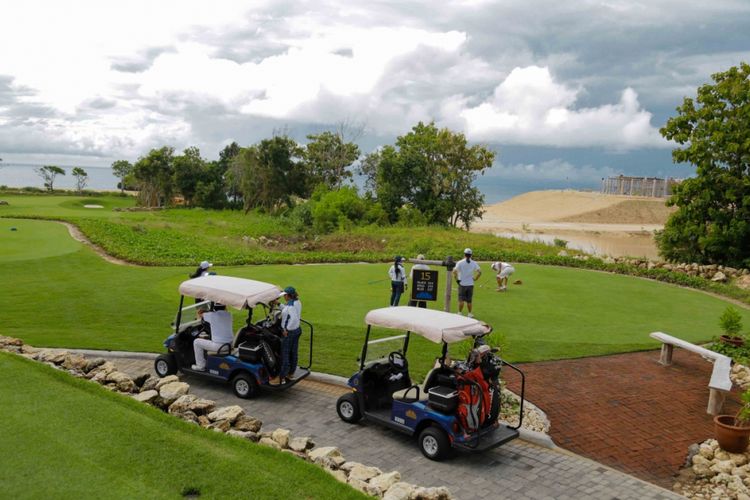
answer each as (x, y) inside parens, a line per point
(224, 350)
(410, 393)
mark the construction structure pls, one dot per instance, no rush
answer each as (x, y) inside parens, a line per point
(653, 187)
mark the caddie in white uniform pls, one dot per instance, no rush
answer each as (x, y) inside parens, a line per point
(221, 333)
(467, 271)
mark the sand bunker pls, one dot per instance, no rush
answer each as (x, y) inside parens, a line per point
(93, 206)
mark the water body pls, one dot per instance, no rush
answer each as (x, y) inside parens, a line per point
(23, 175)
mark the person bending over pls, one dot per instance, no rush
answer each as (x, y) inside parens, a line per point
(503, 270)
(221, 333)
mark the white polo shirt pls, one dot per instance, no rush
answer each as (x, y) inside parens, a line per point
(465, 271)
(221, 326)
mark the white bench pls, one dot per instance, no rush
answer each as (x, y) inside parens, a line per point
(720, 383)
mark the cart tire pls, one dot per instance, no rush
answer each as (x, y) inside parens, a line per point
(347, 407)
(434, 443)
(165, 365)
(244, 386)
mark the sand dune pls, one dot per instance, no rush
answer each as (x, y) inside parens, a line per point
(578, 207)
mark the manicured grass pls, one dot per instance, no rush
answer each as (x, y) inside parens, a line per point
(68, 438)
(186, 236)
(79, 300)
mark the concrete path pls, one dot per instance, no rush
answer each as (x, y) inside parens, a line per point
(517, 470)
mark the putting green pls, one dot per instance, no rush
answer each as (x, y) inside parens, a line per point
(33, 239)
(77, 299)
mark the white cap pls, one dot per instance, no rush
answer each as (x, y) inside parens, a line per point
(205, 264)
(467, 251)
(483, 349)
(282, 294)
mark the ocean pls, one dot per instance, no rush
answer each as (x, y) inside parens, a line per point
(494, 188)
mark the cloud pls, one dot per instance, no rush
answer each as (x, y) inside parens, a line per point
(530, 108)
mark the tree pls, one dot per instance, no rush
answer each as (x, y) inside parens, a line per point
(431, 169)
(712, 221)
(81, 178)
(327, 156)
(271, 172)
(121, 169)
(230, 173)
(188, 172)
(154, 174)
(48, 174)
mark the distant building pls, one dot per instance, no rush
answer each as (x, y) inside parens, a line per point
(639, 186)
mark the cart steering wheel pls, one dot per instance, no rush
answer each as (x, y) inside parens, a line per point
(397, 366)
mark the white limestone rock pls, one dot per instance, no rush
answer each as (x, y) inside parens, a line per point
(230, 413)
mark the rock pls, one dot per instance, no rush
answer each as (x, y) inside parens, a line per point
(364, 473)
(203, 421)
(384, 481)
(251, 436)
(706, 451)
(348, 466)
(10, 341)
(702, 470)
(189, 402)
(357, 483)
(247, 423)
(338, 474)
(121, 381)
(701, 460)
(146, 397)
(220, 425)
(166, 380)
(170, 392)
(281, 436)
(3, 202)
(738, 459)
(94, 363)
(188, 416)
(722, 467)
(324, 452)
(399, 491)
(562, 253)
(439, 493)
(101, 370)
(719, 277)
(56, 358)
(230, 413)
(743, 281)
(150, 383)
(301, 444)
(75, 362)
(27, 349)
(720, 455)
(270, 443)
(140, 379)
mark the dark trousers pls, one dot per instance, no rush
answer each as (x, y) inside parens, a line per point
(397, 288)
(289, 352)
(418, 303)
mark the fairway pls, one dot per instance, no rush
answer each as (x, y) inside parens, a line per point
(73, 439)
(76, 299)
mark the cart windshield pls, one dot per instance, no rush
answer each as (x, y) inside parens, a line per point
(380, 343)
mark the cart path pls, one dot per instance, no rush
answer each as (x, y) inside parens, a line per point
(517, 470)
(626, 410)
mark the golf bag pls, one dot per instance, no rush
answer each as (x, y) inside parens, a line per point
(474, 402)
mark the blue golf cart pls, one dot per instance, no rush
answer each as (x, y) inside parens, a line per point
(458, 404)
(252, 360)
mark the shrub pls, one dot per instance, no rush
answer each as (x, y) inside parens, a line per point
(560, 243)
(343, 209)
(730, 321)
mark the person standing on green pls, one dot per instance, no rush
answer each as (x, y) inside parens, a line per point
(467, 271)
(397, 274)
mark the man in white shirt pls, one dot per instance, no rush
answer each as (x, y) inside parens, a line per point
(221, 333)
(466, 272)
(503, 270)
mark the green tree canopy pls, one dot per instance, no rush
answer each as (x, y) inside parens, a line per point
(271, 173)
(48, 174)
(328, 156)
(121, 169)
(189, 170)
(432, 170)
(154, 174)
(712, 221)
(82, 178)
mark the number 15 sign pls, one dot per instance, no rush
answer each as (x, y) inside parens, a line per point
(424, 285)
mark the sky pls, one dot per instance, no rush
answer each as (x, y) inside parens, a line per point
(564, 92)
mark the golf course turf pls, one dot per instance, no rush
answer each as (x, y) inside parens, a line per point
(60, 293)
(70, 438)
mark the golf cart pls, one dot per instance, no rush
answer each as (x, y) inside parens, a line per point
(458, 404)
(252, 360)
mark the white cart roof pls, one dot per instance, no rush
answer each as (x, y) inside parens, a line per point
(236, 292)
(437, 326)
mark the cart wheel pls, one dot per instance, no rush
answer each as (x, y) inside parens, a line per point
(244, 386)
(434, 443)
(348, 408)
(165, 365)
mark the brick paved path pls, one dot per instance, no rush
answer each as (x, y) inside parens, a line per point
(626, 411)
(517, 470)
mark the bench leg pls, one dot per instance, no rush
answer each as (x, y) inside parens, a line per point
(715, 401)
(666, 354)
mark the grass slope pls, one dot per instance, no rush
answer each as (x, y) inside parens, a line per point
(79, 300)
(68, 438)
(187, 236)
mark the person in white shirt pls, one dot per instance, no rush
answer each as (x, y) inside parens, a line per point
(503, 270)
(220, 321)
(291, 313)
(466, 272)
(418, 267)
(398, 280)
